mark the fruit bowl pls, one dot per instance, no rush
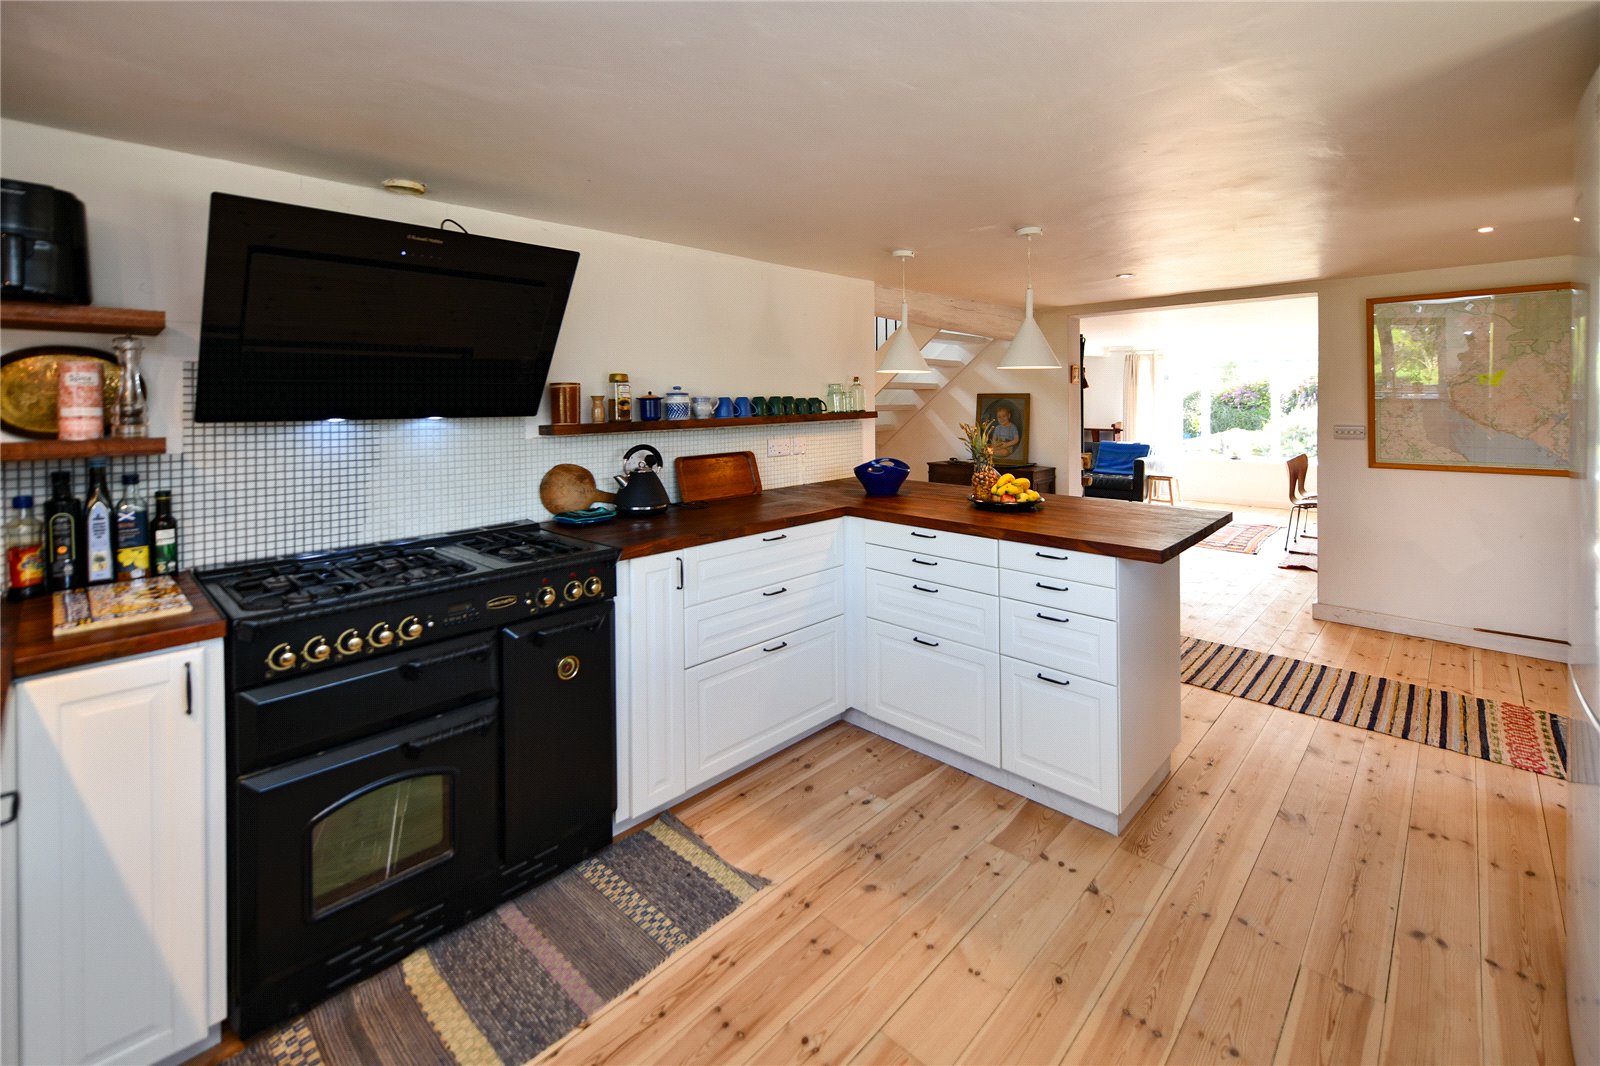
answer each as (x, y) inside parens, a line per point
(1001, 505)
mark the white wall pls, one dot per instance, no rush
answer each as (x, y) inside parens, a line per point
(1102, 400)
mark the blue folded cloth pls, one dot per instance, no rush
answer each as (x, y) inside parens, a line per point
(1116, 457)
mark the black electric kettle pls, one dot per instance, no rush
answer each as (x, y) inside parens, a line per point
(641, 492)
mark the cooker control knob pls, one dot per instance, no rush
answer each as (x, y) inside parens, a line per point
(594, 586)
(573, 591)
(410, 628)
(381, 635)
(545, 596)
(281, 658)
(317, 649)
(350, 642)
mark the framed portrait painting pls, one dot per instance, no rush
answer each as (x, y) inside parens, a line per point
(1009, 412)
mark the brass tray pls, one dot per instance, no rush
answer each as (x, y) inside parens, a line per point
(28, 387)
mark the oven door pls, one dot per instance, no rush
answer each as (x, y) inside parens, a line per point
(343, 857)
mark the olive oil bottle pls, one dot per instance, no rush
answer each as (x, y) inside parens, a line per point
(98, 515)
(63, 539)
(164, 537)
(133, 532)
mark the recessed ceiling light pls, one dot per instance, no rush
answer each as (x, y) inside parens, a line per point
(1485, 229)
(1124, 275)
(407, 186)
(1575, 218)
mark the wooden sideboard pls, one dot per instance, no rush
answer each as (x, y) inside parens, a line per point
(956, 472)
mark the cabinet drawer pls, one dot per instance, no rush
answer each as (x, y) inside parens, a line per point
(1061, 640)
(1070, 595)
(1060, 731)
(737, 621)
(745, 704)
(1059, 562)
(939, 610)
(937, 689)
(972, 576)
(980, 550)
(761, 560)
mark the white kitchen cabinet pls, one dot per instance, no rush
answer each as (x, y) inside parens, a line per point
(121, 858)
(1051, 636)
(974, 577)
(960, 546)
(944, 611)
(938, 689)
(743, 705)
(729, 567)
(1059, 731)
(761, 614)
(650, 683)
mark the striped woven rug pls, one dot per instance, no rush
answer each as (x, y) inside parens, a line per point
(1506, 733)
(504, 987)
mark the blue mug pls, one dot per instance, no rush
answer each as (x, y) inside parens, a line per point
(742, 408)
(724, 407)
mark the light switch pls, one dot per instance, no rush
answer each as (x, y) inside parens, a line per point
(1350, 432)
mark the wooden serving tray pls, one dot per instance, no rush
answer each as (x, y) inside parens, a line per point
(719, 476)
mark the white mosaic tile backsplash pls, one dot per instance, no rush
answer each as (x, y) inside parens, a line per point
(250, 490)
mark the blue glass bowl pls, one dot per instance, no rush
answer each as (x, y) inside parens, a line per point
(882, 477)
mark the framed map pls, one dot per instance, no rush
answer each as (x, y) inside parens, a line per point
(1474, 381)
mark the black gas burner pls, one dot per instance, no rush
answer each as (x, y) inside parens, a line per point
(519, 545)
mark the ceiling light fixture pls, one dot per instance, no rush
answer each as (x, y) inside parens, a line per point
(901, 354)
(1124, 275)
(405, 186)
(1028, 349)
(1485, 229)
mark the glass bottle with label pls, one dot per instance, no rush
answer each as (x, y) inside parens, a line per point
(164, 537)
(621, 398)
(24, 551)
(99, 546)
(63, 543)
(133, 532)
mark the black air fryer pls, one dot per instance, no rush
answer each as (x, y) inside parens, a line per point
(46, 244)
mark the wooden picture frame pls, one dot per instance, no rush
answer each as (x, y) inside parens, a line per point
(1474, 381)
(1014, 406)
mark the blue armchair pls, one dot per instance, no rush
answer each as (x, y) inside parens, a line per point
(1117, 471)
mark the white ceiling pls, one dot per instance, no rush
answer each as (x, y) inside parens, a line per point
(1199, 145)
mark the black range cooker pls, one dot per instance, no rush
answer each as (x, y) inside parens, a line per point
(416, 731)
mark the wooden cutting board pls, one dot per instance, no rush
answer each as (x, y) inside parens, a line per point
(720, 476)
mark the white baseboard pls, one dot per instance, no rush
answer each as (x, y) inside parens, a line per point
(1417, 627)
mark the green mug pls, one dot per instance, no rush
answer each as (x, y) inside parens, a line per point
(788, 405)
(758, 406)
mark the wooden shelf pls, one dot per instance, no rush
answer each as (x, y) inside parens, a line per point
(80, 318)
(579, 428)
(22, 451)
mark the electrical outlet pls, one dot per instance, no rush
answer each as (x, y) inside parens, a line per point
(797, 446)
(1350, 432)
(777, 446)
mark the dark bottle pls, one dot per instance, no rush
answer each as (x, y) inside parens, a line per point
(99, 542)
(63, 535)
(164, 537)
(133, 532)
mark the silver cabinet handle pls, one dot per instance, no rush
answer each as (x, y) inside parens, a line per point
(777, 647)
(775, 592)
(1052, 680)
(1050, 588)
(1046, 555)
(1051, 618)
(922, 588)
(929, 643)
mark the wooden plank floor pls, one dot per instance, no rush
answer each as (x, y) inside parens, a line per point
(1297, 892)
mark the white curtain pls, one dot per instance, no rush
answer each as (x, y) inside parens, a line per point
(1141, 415)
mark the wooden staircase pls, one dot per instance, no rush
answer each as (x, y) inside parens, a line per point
(899, 398)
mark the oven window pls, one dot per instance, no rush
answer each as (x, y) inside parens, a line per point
(378, 837)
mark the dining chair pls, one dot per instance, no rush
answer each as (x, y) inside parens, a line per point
(1299, 502)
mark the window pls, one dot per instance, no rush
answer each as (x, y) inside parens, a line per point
(1261, 406)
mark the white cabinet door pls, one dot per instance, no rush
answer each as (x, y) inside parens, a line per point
(962, 546)
(1060, 731)
(113, 864)
(936, 688)
(940, 610)
(1059, 562)
(1063, 640)
(761, 560)
(761, 615)
(753, 701)
(650, 700)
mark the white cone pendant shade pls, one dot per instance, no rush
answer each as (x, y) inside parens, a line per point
(1029, 350)
(901, 355)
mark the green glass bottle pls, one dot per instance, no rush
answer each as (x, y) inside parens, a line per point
(164, 537)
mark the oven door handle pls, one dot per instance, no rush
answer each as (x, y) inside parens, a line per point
(413, 669)
(414, 747)
(588, 625)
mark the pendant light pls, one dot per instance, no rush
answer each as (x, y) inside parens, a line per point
(1028, 349)
(901, 355)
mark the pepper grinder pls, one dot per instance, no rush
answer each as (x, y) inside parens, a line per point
(131, 417)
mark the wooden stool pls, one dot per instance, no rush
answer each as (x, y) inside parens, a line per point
(1168, 483)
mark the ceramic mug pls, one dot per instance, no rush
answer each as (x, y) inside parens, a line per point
(818, 405)
(788, 404)
(724, 407)
(702, 406)
(742, 408)
(758, 406)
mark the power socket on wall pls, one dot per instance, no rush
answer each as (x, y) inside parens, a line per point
(785, 446)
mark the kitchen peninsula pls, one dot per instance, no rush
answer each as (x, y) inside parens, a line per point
(1037, 650)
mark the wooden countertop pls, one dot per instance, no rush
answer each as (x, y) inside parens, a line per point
(28, 648)
(1142, 532)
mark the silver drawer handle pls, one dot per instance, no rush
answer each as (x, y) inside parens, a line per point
(769, 540)
(1051, 618)
(922, 588)
(777, 647)
(925, 536)
(929, 643)
(924, 562)
(1052, 680)
(1050, 588)
(1058, 558)
(775, 592)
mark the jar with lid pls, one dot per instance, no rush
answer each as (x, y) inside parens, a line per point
(621, 398)
(677, 404)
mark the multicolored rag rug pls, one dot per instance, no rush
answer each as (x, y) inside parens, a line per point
(1505, 733)
(1239, 537)
(504, 987)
